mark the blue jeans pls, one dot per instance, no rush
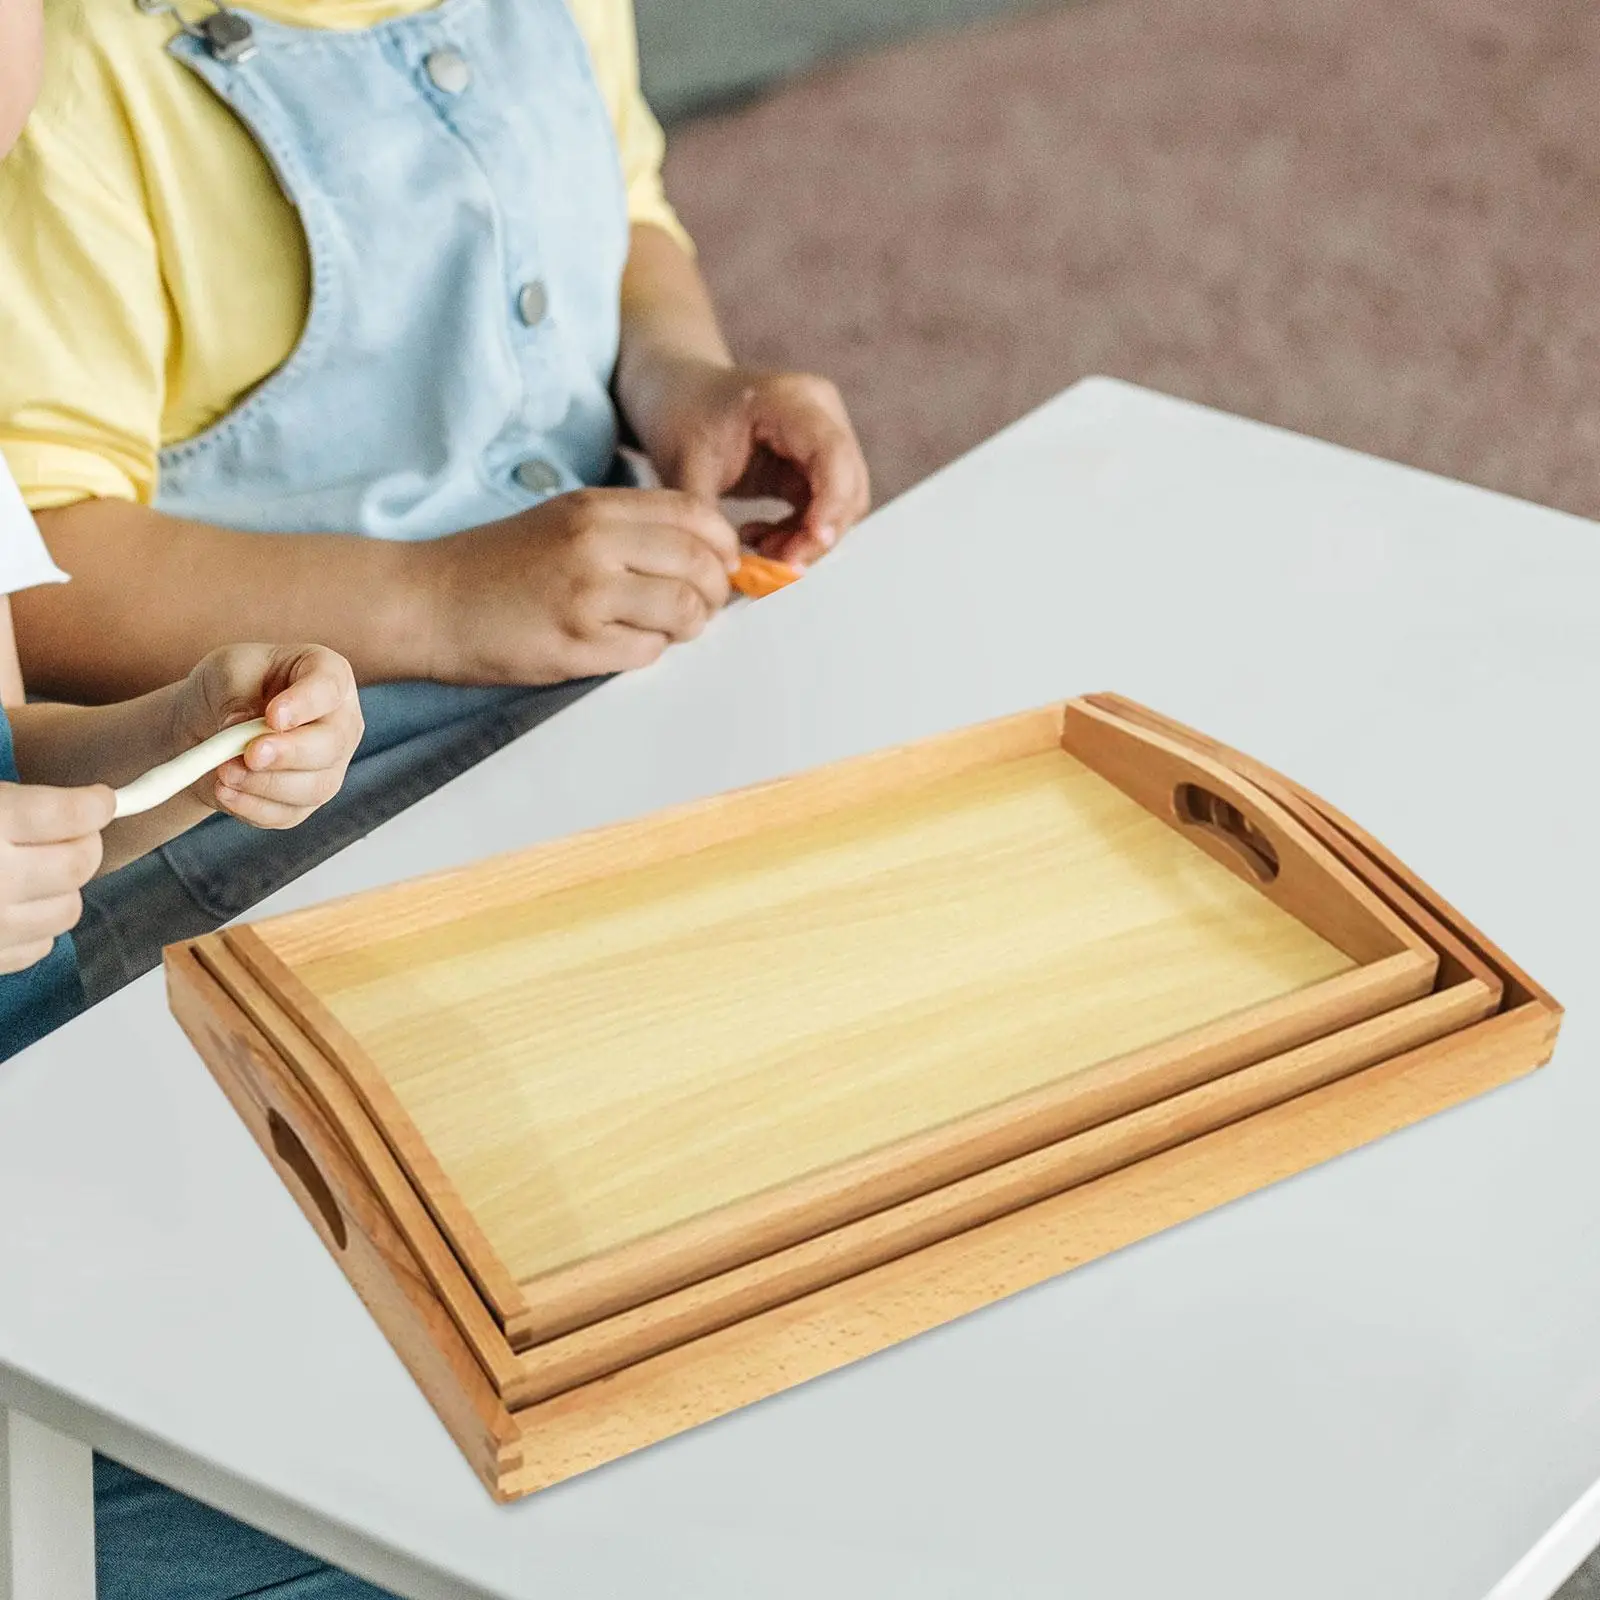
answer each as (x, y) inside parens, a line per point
(152, 1543)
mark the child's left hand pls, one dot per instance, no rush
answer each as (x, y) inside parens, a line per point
(308, 696)
(748, 435)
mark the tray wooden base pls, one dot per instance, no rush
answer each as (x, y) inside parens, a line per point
(536, 1397)
(528, 1421)
(518, 1453)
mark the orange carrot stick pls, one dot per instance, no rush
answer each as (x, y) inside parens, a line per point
(758, 576)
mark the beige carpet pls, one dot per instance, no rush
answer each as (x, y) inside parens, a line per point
(1377, 221)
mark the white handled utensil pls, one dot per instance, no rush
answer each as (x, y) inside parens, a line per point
(173, 777)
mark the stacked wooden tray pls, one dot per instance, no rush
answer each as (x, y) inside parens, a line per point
(618, 1134)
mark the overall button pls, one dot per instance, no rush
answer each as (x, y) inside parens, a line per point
(448, 71)
(537, 477)
(229, 37)
(532, 302)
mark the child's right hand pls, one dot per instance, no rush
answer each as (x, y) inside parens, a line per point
(49, 848)
(589, 583)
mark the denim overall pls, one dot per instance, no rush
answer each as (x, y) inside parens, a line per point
(457, 177)
(458, 180)
(43, 996)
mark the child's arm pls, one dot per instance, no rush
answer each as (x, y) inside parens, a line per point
(587, 583)
(152, 594)
(713, 428)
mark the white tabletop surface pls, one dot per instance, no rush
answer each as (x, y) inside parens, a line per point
(1381, 1378)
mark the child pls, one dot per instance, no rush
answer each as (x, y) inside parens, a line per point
(333, 313)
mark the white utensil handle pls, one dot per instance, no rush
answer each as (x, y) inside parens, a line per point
(159, 784)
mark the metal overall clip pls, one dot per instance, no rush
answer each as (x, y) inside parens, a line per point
(227, 36)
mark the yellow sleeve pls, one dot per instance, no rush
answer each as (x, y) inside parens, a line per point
(613, 39)
(83, 319)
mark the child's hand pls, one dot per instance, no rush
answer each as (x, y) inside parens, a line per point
(49, 848)
(589, 583)
(308, 696)
(727, 431)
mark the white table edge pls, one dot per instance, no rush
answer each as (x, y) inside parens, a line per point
(85, 1427)
(1565, 1546)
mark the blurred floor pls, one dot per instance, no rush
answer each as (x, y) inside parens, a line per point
(1377, 221)
(699, 53)
(1584, 1584)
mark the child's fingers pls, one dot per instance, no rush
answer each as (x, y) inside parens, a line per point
(838, 481)
(18, 958)
(703, 472)
(682, 512)
(806, 425)
(783, 541)
(616, 647)
(666, 606)
(261, 811)
(320, 681)
(304, 789)
(39, 920)
(776, 543)
(37, 814)
(667, 552)
(308, 748)
(231, 681)
(42, 871)
(620, 648)
(796, 549)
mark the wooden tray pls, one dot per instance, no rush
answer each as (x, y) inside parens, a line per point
(1360, 967)
(697, 1040)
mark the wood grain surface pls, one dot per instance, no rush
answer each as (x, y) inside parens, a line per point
(606, 1062)
(575, 975)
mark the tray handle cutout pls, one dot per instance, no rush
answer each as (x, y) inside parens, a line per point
(1243, 829)
(1199, 807)
(290, 1149)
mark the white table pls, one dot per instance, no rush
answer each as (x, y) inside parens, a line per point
(1379, 1379)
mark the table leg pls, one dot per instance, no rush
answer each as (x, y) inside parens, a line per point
(46, 1513)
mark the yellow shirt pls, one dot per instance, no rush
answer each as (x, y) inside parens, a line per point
(152, 271)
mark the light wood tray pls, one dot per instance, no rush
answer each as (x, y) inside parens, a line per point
(313, 1022)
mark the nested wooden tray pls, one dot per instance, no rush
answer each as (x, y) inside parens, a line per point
(601, 1110)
